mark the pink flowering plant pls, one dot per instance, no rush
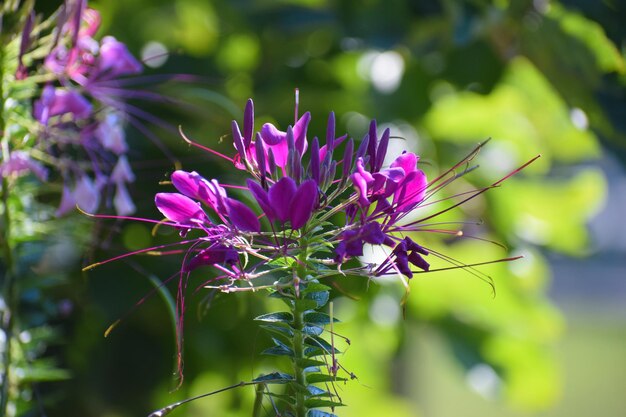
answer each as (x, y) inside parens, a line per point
(68, 105)
(303, 216)
(63, 110)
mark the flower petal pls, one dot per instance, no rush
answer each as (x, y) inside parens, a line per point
(407, 161)
(411, 191)
(179, 208)
(372, 234)
(281, 194)
(195, 186)
(260, 195)
(271, 135)
(211, 256)
(299, 132)
(302, 204)
(122, 201)
(242, 216)
(116, 60)
(87, 195)
(417, 260)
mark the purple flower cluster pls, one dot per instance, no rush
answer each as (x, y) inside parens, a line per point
(283, 223)
(81, 110)
(297, 188)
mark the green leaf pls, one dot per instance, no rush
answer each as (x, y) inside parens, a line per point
(317, 318)
(283, 331)
(318, 342)
(317, 391)
(305, 304)
(307, 363)
(313, 330)
(278, 351)
(312, 286)
(316, 402)
(319, 297)
(282, 317)
(274, 378)
(317, 378)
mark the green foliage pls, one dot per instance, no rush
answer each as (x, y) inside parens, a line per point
(297, 336)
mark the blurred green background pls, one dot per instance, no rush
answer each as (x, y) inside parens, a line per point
(538, 77)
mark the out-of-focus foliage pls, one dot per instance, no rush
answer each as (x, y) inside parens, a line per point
(538, 77)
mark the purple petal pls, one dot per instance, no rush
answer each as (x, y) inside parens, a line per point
(417, 260)
(372, 234)
(19, 163)
(195, 186)
(87, 195)
(360, 184)
(262, 198)
(350, 245)
(415, 247)
(187, 183)
(271, 135)
(303, 203)
(211, 256)
(386, 181)
(110, 133)
(363, 172)
(276, 142)
(299, 132)
(58, 101)
(407, 161)
(116, 60)
(411, 191)
(280, 195)
(122, 172)
(402, 263)
(179, 208)
(242, 216)
(122, 201)
(68, 202)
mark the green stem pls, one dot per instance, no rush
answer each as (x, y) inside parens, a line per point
(298, 334)
(298, 349)
(8, 285)
(258, 400)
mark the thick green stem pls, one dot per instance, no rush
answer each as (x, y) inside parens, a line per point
(298, 334)
(298, 357)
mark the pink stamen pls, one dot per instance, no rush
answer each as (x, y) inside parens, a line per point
(204, 148)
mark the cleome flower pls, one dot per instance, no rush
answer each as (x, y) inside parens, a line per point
(304, 214)
(282, 215)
